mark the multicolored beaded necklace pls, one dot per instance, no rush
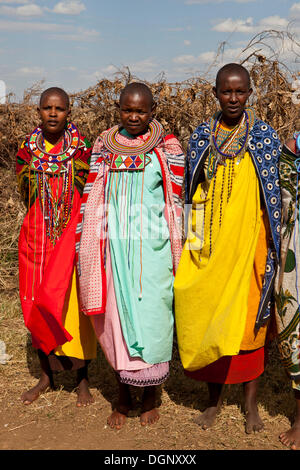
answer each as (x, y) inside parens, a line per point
(56, 200)
(125, 159)
(47, 161)
(122, 157)
(228, 144)
(54, 174)
(227, 148)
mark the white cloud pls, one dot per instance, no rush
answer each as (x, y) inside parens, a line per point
(104, 72)
(286, 50)
(24, 10)
(146, 65)
(109, 69)
(7, 2)
(29, 10)
(273, 22)
(69, 7)
(28, 27)
(295, 8)
(80, 34)
(295, 11)
(185, 59)
(186, 42)
(141, 68)
(208, 57)
(57, 31)
(31, 71)
(229, 25)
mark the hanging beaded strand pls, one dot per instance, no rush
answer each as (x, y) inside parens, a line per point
(233, 146)
(141, 238)
(43, 234)
(27, 248)
(221, 199)
(226, 146)
(211, 216)
(57, 207)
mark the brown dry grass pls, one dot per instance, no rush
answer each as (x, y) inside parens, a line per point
(181, 106)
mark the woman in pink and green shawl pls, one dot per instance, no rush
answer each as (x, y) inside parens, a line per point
(129, 244)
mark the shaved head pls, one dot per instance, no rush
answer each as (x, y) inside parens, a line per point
(136, 88)
(56, 91)
(232, 69)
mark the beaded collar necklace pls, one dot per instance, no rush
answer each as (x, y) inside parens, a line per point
(228, 144)
(233, 135)
(47, 161)
(111, 143)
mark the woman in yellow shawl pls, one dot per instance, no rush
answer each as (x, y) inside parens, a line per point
(224, 282)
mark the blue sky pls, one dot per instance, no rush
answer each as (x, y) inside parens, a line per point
(74, 43)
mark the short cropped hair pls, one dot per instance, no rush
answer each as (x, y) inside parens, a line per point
(232, 67)
(58, 91)
(136, 87)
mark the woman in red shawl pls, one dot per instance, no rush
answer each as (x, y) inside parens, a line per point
(52, 167)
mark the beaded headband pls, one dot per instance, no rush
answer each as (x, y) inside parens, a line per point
(112, 145)
(49, 162)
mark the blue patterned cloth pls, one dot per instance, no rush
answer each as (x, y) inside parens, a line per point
(264, 147)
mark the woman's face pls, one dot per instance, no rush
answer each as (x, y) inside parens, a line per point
(233, 92)
(54, 112)
(136, 111)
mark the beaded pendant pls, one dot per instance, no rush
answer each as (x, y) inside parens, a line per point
(127, 162)
(122, 157)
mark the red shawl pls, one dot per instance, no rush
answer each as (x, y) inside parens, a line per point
(45, 269)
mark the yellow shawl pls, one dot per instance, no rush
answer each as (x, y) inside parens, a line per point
(214, 274)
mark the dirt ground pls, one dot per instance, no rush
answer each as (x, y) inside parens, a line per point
(53, 422)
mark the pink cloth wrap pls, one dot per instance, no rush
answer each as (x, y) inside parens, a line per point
(91, 230)
(97, 293)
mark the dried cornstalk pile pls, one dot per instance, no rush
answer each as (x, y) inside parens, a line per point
(180, 108)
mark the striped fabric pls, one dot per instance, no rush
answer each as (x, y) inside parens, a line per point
(92, 281)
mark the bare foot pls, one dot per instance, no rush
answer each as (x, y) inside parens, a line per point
(149, 414)
(291, 438)
(31, 395)
(149, 417)
(116, 420)
(85, 397)
(118, 417)
(207, 418)
(253, 421)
